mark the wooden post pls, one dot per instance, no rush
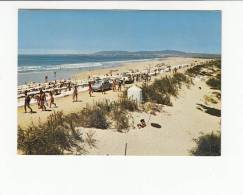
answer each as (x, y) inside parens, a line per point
(125, 149)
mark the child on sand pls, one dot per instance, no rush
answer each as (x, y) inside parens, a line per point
(27, 102)
(75, 94)
(52, 100)
(142, 124)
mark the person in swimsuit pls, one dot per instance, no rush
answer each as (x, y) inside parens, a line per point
(27, 99)
(42, 100)
(114, 85)
(119, 85)
(37, 98)
(52, 100)
(90, 89)
(46, 78)
(102, 88)
(75, 94)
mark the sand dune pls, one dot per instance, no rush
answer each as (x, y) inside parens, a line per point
(179, 125)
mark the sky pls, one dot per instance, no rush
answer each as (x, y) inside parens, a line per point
(88, 31)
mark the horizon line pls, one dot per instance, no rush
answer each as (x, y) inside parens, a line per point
(79, 52)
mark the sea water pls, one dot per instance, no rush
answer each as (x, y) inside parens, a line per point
(35, 67)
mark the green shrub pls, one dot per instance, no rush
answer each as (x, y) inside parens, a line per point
(215, 83)
(199, 69)
(162, 89)
(194, 71)
(207, 145)
(165, 86)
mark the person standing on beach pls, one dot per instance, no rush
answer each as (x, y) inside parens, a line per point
(119, 85)
(114, 85)
(123, 82)
(90, 89)
(46, 78)
(42, 100)
(52, 100)
(75, 94)
(37, 98)
(102, 88)
(27, 102)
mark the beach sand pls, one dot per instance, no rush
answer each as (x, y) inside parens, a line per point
(140, 65)
(179, 124)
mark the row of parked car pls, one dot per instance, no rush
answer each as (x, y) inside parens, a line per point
(99, 84)
(126, 77)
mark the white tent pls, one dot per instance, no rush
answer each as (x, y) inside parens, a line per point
(135, 93)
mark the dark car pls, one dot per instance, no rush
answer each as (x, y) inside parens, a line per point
(105, 84)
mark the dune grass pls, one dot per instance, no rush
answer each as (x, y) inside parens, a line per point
(215, 82)
(207, 145)
(162, 89)
(59, 134)
(56, 136)
(201, 69)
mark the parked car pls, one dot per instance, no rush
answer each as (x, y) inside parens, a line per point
(105, 84)
(127, 77)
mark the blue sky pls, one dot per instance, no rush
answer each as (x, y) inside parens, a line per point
(68, 31)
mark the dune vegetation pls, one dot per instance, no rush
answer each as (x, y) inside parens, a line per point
(161, 90)
(207, 145)
(60, 134)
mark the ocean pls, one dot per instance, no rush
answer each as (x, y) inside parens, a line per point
(35, 67)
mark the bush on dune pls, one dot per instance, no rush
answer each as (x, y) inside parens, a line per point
(127, 104)
(162, 89)
(194, 71)
(120, 119)
(93, 116)
(53, 137)
(215, 82)
(207, 145)
(200, 69)
(58, 135)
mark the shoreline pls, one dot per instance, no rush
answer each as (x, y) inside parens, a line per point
(66, 105)
(72, 71)
(127, 66)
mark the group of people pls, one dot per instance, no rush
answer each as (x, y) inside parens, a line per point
(41, 101)
(117, 84)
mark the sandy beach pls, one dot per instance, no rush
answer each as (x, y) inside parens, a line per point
(179, 124)
(124, 67)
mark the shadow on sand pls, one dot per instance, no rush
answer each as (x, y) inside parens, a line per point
(209, 110)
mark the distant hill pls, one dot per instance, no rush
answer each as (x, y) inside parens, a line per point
(155, 54)
(121, 55)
